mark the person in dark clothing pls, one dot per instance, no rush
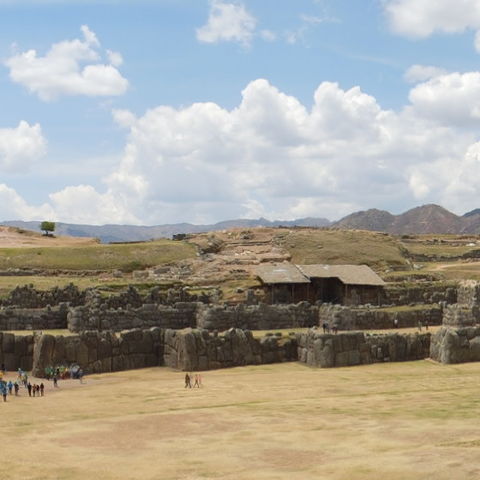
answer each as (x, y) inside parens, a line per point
(188, 382)
(55, 381)
(34, 390)
(16, 387)
(42, 388)
(29, 388)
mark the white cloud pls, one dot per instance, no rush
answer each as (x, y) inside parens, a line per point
(228, 22)
(21, 146)
(421, 73)
(14, 207)
(275, 157)
(71, 67)
(453, 99)
(422, 18)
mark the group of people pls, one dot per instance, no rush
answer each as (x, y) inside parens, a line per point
(197, 380)
(13, 388)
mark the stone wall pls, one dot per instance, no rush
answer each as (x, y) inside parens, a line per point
(27, 296)
(370, 318)
(33, 319)
(98, 352)
(257, 317)
(356, 348)
(16, 351)
(192, 350)
(202, 350)
(456, 345)
(424, 292)
(178, 316)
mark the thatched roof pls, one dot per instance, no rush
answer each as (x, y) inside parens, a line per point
(281, 273)
(347, 274)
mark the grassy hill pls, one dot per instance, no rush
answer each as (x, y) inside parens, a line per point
(125, 257)
(356, 247)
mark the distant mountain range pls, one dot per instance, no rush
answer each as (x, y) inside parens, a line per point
(432, 219)
(132, 233)
(425, 219)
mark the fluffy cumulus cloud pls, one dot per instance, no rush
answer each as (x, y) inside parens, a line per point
(71, 67)
(276, 157)
(453, 99)
(228, 22)
(421, 18)
(13, 206)
(20, 147)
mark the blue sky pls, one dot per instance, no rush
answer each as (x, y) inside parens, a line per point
(166, 111)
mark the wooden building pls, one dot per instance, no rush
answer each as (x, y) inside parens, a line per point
(284, 283)
(342, 284)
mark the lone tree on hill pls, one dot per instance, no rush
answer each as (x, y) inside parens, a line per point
(47, 227)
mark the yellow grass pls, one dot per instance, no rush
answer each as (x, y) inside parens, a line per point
(410, 421)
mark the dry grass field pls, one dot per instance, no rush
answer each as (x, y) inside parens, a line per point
(410, 421)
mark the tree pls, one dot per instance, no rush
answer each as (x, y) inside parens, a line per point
(47, 227)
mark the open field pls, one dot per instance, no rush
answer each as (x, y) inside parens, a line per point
(410, 421)
(125, 257)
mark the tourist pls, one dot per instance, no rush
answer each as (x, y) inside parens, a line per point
(37, 387)
(10, 387)
(34, 390)
(55, 381)
(80, 375)
(197, 382)
(325, 327)
(42, 388)
(395, 322)
(16, 387)
(29, 388)
(3, 390)
(187, 381)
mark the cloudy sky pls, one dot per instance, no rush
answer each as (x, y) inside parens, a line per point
(164, 111)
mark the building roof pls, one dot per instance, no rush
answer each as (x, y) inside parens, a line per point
(347, 274)
(281, 273)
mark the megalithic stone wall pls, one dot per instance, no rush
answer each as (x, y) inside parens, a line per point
(191, 350)
(357, 348)
(201, 350)
(98, 352)
(16, 351)
(456, 345)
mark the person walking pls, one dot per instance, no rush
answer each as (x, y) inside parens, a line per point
(10, 387)
(55, 381)
(16, 387)
(188, 383)
(3, 390)
(197, 383)
(29, 388)
(42, 389)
